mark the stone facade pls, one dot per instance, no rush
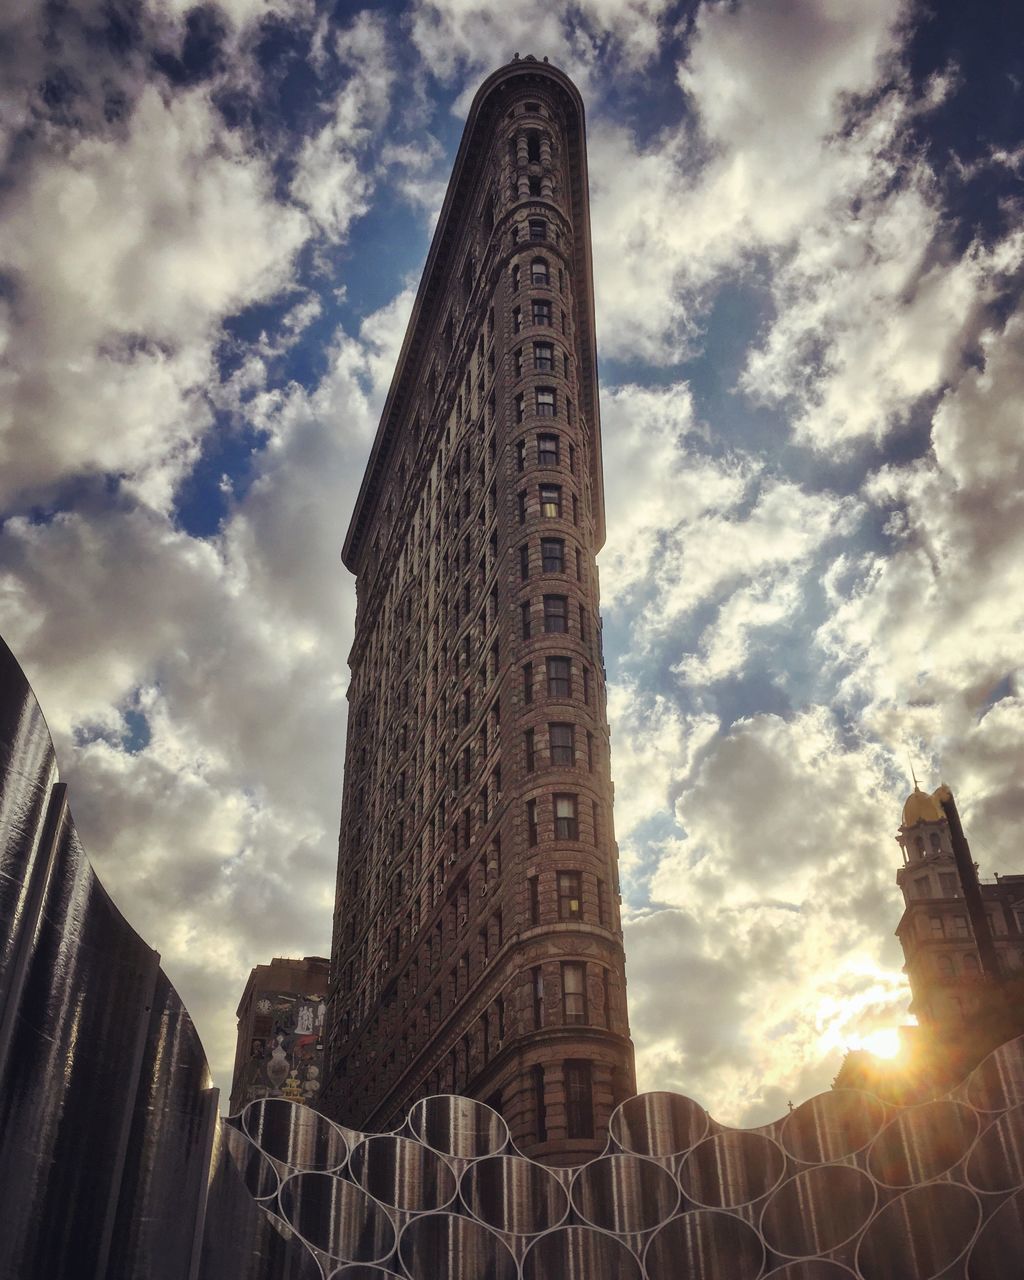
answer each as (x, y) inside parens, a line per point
(477, 943)
(935, 932)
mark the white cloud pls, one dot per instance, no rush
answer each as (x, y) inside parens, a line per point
(330, 178)
(774, 949)
(217, 836)
(125, 254)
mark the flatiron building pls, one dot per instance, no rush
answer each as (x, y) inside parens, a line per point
(477, 946)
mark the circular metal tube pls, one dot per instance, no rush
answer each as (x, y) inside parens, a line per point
(442, 1246)
(1000, 1243)
(811, 1269)
(458, 1126)
(996, 1161)
(658, 1124)
(998, 1082)
(919, 1234)
(705, 1244)
(337, 1217)
(624, 1193)
(832, 1125)
(921, 1142)
(818, 1210)
(579, 1253)
(514, 1194)
(363, 1271)
(402, 1173)
(732, 1168)
(294, 1134)
(259, 1175)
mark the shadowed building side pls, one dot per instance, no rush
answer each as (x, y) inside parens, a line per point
(477, 944)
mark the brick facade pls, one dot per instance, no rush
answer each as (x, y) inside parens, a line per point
(477, 944)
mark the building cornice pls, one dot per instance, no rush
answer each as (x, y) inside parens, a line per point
(442, 259)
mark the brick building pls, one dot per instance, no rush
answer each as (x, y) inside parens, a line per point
(942, 961)
(279, 1050)
(477, 945)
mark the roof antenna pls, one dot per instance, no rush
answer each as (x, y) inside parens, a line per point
(913, 775)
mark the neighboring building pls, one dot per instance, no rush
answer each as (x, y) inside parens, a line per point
(935, 931)
(279, 1053)
(477, 944)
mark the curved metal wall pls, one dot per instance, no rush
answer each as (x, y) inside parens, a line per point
(114, 1165)
(844, 1186)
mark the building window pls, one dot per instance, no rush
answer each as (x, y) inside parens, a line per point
(559, 673)
(521, 500)
(524, 561)
(570, 902)
(551, 501)
(533, 146)
(520, 454)
(528, 682)
(969, 963)
(540, 311)
(921, 889)
(534, 883)
(935, 842)
(515, 278)
(531, 755)
(524, 611)
(517, 319)
(579, 1105)
(574, 996)
(545, 402)
(531, 821)
(543, 357)
(540, 1111)
(518, 357)
(602, 904)
(944, 964)
(547, 450)
(538, 995)
(519, 404)
(533, 185)
(556, 614)
(539, 271)
(948, 883)
(960, 929)
(935, 925)
(552, 555)
(566, 822)
(561, 744)
(538, 229)
(590, 750)
(586, 685)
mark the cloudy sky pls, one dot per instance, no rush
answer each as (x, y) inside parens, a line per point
(808, 261)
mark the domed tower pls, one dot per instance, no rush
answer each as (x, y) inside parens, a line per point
(939, 947)
(477, 940)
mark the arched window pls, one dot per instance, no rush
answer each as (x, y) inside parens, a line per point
(919, 844)
(515, 277)
(539, 271)
(936, 842)
(533, 146)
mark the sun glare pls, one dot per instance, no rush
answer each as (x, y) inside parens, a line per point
(884, 1043)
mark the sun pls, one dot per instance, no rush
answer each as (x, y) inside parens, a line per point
(884, 1043)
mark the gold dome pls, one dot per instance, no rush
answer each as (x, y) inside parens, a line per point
(921, 807)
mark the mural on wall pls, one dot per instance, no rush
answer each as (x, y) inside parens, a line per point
(286, 1050)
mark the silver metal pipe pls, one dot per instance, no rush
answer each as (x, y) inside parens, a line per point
(624, 1193)
(442, 1246)
(514, 1194)
(923, 1233)
(732, 1168)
